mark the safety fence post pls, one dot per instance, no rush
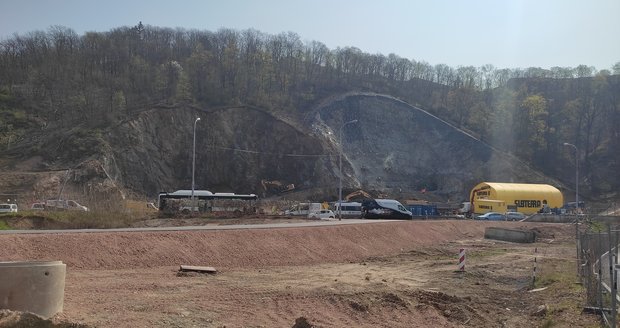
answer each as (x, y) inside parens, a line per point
(534, 270)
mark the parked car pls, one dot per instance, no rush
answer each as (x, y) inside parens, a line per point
(37, 207)
(322, 214)
(61, 204)
(8, 208)
(492, 216)
(515, 216)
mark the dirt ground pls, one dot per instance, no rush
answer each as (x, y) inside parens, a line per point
(386, 274)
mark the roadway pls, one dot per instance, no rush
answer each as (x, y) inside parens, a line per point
(317, 223)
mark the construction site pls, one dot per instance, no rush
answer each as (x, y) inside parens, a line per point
(338, 274)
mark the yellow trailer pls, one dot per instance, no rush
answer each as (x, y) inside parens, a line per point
(526, 198)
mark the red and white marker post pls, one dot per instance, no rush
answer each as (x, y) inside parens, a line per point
(462, 260)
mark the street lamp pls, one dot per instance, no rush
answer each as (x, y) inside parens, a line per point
(576, 204)
(576, 176)
(194, 164)
(340, 169)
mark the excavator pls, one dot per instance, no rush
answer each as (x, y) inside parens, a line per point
(358, 194)
(276, 187)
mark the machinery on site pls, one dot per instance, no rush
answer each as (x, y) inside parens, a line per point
(357, 195)
(276, 187)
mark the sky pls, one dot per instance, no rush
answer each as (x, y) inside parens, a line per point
(503, 33)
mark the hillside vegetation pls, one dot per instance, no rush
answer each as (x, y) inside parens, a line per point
(66, 98)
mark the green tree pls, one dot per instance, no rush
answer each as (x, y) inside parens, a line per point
(531, 123)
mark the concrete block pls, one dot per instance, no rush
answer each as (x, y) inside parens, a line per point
(512, 235)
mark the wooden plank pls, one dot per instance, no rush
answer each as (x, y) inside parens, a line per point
(194, 268)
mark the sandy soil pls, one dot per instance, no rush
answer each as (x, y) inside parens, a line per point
(399, 274)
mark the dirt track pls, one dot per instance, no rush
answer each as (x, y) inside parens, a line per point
(386, 274)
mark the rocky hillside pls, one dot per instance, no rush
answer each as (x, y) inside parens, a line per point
(111, 114)
(393, 148)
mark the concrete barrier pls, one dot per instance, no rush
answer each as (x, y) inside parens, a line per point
(570, 218)
(552, 218)
(37, 287)
(512, 235)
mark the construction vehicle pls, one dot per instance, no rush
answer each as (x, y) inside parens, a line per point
(358, 194)
(276, 187)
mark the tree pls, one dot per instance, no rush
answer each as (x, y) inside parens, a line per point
(531, 125)
(616, 68)
(584, 70)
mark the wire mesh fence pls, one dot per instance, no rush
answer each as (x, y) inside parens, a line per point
(597, 266)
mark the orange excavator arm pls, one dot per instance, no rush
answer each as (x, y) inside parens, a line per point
(356, 194)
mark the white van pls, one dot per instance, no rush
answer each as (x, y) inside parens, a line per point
(61, 204)
(8, 208)
(348, 209)
(322, 214)
(303, 209)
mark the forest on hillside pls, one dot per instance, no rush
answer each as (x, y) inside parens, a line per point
(59, 79)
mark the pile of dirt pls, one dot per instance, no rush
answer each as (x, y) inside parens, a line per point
(453, 308)
(16, 319)
(241, 248)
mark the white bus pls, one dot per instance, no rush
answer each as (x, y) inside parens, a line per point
(202, 197)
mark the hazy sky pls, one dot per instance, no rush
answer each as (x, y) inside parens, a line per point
(504, 33)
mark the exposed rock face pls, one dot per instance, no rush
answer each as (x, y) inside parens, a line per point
(395, 147)
(392, 148)
(235, 149)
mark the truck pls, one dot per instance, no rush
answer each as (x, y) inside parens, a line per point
(304, 209)
(526, 198)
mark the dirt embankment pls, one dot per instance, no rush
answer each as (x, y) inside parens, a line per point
(237, 248)
(385, 274)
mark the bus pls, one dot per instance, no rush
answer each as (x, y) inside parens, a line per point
(206, 201)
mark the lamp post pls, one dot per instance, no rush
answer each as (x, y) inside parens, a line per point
(576, 176)
(576, 204)
(194, 164)
(340, 170)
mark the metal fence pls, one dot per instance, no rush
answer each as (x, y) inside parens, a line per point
(597, 267)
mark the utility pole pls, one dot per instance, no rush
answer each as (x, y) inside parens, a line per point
(340, 171)
(194, 164)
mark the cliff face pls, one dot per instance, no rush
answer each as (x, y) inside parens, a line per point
(236, 148)
(393, 148)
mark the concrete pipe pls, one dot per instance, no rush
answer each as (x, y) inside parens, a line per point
(37, 287)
